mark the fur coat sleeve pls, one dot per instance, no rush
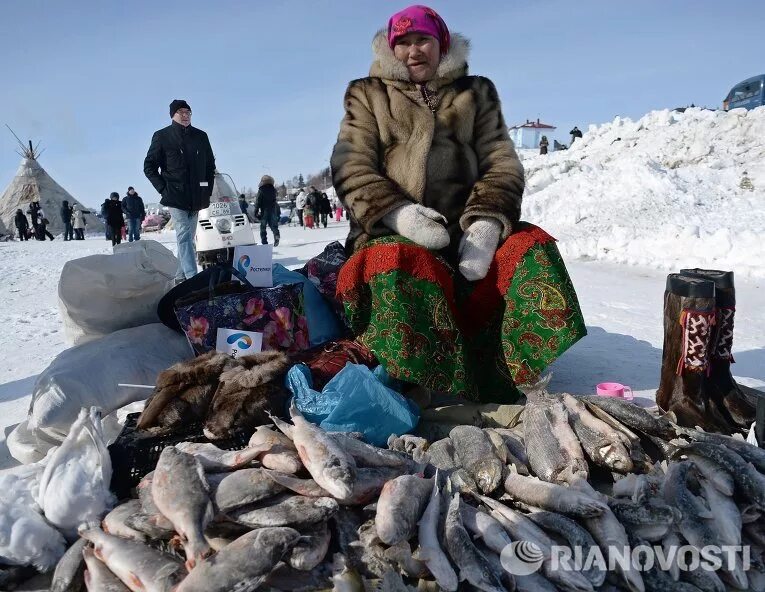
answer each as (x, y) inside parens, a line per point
(357, 168)
(499, 189)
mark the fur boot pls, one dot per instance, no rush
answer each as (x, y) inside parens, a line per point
(184, 391)
(689, 322)
(247, 394)
(726, 391)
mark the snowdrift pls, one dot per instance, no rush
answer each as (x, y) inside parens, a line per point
(670, 190)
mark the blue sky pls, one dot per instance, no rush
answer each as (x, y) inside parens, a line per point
(265, 79)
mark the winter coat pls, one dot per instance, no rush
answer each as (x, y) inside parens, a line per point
(132, 206)
(266, 201)
(325, 207)
(181, 166)
(66, 212)
(114, 216)
(300, 200)
(21, 222)
(34, 212)
(312, 200)
(79, 219)
(444, 144)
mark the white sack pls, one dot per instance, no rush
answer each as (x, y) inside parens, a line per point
(74, 487)
(100, 294)
(87, 375)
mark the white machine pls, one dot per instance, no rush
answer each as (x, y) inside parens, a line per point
(222, 225)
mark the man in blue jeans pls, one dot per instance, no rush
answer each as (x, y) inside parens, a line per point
(135, 212)
(181, 166)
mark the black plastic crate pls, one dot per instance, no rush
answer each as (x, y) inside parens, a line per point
(135, 452)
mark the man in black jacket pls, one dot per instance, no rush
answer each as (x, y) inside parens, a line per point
(181, 166)
(267, 209)
(22, 224)
(66, 218)
(135, 212)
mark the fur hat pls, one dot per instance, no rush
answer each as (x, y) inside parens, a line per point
(418, 19)
(114, 195)
(178, 104)
(266, 180)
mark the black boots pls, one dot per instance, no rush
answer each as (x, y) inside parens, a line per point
(696, 382)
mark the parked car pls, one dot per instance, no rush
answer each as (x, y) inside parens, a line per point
(748, 94)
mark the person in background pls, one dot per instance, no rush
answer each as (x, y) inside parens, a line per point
(42, 227)
(114, 218)
(135, 213)
(543, 144)
(575, 133)
(104, 211)
(325, 208)
(300, 205)
(308, 213)
(267, 209)
(312, 201)
(244, 206)
(78, 223)
(66, 218)
(22, 224)
(338, 210)
(181, 165)
(34, 213)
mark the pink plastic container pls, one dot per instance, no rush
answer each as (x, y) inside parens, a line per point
(614, 389)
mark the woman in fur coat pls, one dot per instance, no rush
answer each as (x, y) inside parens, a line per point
(444, 284)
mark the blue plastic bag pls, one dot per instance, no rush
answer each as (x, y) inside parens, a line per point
(323, 324)
(353, 401)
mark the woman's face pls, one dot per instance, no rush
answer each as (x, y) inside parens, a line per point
(420, 54)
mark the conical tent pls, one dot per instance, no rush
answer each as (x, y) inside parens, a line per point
(32, 183)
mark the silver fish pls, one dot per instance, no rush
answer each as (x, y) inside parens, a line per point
(98, 578)
(609, 533)
(712, 472)
(287, 510)
(408, 444)
(139, 567)
(476, 454)
(366, 455)
(550, 496)
(244, 564)
(602, 443)
(214, 459)
(482, 525)
(751, 454)
(401, 554)
(633, 416)
(651, 521)
(68, 576)
(430, 551)
(232, 491)
(473, 566)
(725, 514)
(400, 506)
(553, 449)
(514, 444)
(281, 454)
(326, 461)
(154, 526)
(696, 521)
(748, 481)
(367, 486)
(705, 580)
(503, 452)
(114, 521)
(311, 549)
(441, 454)
(574, 534)
(182, 495)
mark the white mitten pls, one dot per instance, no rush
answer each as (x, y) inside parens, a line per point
(478, 246)
(422, 225)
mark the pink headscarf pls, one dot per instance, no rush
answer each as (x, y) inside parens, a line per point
(418, 19)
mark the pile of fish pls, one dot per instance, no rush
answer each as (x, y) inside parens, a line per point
(304, 509)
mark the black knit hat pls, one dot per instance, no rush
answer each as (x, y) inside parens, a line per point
(114, 195)
(178, 104)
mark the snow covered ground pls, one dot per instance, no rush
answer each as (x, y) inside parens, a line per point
(668, 190)
(622, 306)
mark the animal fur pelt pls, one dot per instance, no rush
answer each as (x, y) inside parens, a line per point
(184, 391)
(247, 394)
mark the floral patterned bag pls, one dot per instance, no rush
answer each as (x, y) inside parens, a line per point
(276, 312)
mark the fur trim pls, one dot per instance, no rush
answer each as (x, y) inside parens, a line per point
(200, 370)
(256, 369)
(453, 65)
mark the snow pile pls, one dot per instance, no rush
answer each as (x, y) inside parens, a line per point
(670, 190)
